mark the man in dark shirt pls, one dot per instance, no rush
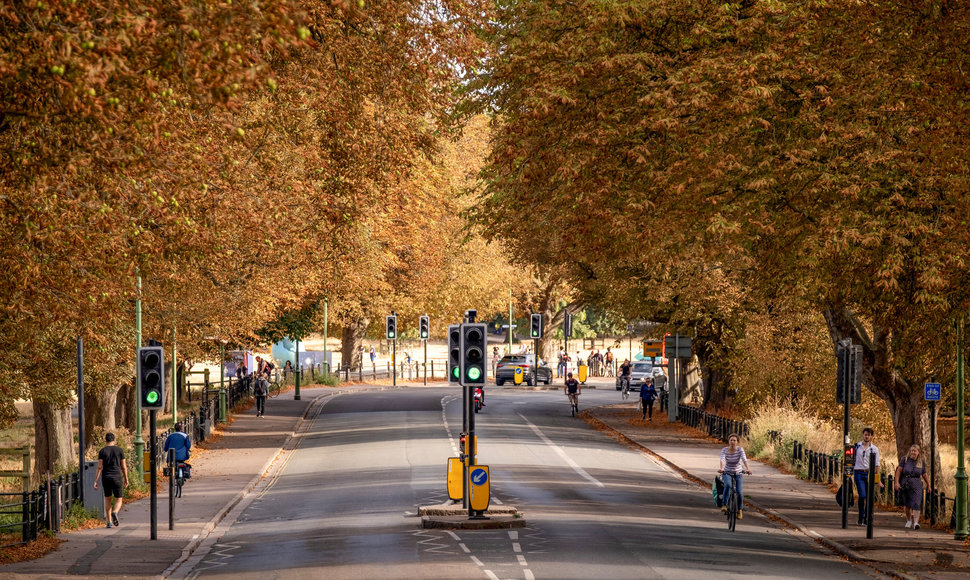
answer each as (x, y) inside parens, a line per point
(113, 472)
(572, 390)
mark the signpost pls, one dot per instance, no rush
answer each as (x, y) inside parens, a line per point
(675, 347)
(932, 393)
(848, 390)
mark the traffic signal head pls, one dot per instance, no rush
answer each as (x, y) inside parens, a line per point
(536, 326)
(454, 353)
(567, 325)
(391, 324)
(151, 373)
(424, 328)
(473, 347)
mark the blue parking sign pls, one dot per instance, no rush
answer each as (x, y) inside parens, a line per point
(933, 391)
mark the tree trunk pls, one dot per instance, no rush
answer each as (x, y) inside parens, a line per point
(903, 398)
(124, 409)
(53, 440)
(351, 339)
(100, 411)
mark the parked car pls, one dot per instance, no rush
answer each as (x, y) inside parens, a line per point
(505, 370)
(639, 371)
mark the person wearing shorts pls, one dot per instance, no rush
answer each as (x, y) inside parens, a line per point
(572, 390)
(113, 473)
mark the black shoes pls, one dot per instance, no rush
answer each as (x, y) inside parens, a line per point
(114, 519)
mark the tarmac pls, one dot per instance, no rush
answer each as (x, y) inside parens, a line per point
(250, 451)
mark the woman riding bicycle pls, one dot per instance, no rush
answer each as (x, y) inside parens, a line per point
(732, 458)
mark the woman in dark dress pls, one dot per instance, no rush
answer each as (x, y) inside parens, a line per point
(910, 476)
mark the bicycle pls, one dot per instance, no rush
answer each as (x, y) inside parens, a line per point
(734, 502)
(625, 382)
(573, 403)
(181, 474)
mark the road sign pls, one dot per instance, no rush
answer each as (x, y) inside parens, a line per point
(479, 476)
(677, 346)
(454, 478)
(478, 494)
(517, 379)
(653, 348)
(933, 391)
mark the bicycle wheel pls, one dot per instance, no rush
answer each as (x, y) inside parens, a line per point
(733, 511)
(275, 389)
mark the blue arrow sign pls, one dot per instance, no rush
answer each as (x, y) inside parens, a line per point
(479, 476)
(933, 391)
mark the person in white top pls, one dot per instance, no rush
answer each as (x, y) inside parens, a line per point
(732, 459)
(861, 469)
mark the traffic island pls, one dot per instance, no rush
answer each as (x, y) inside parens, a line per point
(450, 516)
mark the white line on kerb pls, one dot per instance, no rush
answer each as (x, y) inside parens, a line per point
(529, 575)
(562, 453)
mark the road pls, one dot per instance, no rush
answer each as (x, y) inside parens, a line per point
(344, 505)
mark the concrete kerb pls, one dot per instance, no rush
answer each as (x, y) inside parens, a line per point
(809, 534)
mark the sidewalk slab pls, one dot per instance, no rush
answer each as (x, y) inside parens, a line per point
(802, 505)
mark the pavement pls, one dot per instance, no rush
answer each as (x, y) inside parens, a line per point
(249, 452)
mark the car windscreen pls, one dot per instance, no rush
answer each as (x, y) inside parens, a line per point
(513, 359)
(642, 368)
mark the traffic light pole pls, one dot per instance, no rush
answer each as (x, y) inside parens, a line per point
(535, 363)
(843, 351)
(139, 442)
(426, 361)
(153, 465)
(394, 361)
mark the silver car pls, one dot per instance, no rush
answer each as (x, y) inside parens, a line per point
(639, 371)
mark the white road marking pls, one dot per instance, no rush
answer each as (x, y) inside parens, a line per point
(529, 575)
(561, 453)
(516, 547)
(464, 548)
(453, 535)
(513, 535)
(476, 561)
(490, 574)
(522, 560)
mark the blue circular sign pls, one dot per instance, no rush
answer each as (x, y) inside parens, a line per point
(479, 476)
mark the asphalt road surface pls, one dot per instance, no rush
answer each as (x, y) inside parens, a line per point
(345, 503)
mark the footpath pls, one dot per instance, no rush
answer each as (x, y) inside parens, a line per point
(230, 472)
(805, 507)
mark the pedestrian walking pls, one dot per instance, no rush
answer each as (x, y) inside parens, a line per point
(609, 359)
(113, 472)
(648, 394)
(910, 476)
(861, 469)
(373, 356)
(259, 392)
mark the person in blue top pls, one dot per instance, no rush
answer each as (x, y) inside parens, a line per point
(180, 442)
(648, 394)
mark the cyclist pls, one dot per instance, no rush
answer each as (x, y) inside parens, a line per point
(625, 373)
(732, 458)
(180, 442)
(572, 390)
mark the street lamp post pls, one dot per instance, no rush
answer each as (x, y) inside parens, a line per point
(960, 505)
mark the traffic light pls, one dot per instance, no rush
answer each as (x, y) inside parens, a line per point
(567, 325)
(454, 353)
(473, 348)
(151, 371)
(424, 328)
(536, 326)
(849, 371)
(848, 460)
(391, 322)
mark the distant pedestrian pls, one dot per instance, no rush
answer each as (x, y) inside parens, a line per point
(373, 355)
(609, 362)
(113, 472)
(259, 392)
(861, 470)
(648, 394)
(910, 476)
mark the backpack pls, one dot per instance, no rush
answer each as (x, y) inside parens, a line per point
(717, 490)
(260, 389)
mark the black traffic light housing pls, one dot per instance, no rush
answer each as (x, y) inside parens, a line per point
(849, 371)
(424, 327)
(391, 327)
(536, 326)
(151, 377)
(567, 325)
(473, 353)
(454, 353)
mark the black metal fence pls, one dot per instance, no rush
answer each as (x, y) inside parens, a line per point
(715, 425)
(436, 369)
(24, 515)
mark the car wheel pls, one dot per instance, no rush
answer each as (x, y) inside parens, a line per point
(499, 382)
(529, 381)
(549, 379)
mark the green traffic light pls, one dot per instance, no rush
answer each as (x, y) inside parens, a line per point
(152, 397)
(454, 372)
(390, 335)
(474, 373)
